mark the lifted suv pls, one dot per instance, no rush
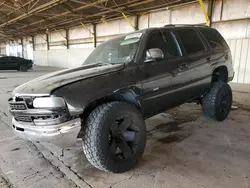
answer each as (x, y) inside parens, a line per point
(124, 81)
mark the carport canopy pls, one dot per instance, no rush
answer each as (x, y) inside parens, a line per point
(22, 18)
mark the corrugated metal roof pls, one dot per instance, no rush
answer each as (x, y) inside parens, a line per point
(21, 18)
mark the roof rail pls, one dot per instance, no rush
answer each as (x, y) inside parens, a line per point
(185, 25)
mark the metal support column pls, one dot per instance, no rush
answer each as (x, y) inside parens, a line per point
(137, 22)
(33, 43)
(22, 47)
(210, 10)
(129, 21)
(67, 38)
(203, 8)
(221, 10)
(47, 41)
(94, 35)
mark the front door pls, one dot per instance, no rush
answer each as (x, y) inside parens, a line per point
(161, 76)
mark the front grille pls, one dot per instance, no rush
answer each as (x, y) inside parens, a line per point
(23, 111)
(18, 106)
(18, 99)
(24, 118)
(28, 101)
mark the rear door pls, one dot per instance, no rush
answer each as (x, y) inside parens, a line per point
(219, 48)
(4, 63)
(1, 63)
(14, 62)
(198, 59)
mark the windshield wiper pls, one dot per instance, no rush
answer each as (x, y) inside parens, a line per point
(104, 63)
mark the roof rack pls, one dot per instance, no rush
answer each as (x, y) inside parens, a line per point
(185, 25)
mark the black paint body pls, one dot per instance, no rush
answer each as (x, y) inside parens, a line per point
(153, 86)
(14, 63)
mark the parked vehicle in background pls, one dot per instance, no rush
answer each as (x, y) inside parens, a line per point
(15, 63)
(124, 81)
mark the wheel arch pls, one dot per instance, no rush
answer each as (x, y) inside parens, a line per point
(20, 64)
(129, 95)
(220, 73)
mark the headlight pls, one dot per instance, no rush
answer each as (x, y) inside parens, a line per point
(48, 102)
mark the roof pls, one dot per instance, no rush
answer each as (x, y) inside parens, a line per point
(21, 18)
(185, 25)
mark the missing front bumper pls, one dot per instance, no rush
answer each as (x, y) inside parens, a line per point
(63, 135)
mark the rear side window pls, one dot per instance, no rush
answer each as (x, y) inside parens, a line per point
(5, 58)
(190, 40)
(215, 40)
(13, 59)
(171, 49)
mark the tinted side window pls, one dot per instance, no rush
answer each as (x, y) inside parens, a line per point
(14, 59)
(4, 58)
(214, 38)
(165, 42)
(190, 40)
(171, 49)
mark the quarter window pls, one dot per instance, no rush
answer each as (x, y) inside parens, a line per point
(190, 40)
(214, 38)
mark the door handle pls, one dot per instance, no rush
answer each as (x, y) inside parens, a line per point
(183, 66)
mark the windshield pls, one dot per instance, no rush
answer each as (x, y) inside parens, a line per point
(116, 51)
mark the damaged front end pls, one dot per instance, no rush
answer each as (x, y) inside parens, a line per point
(45, 119)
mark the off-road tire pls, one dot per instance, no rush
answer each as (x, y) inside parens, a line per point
(23, 68)
(96, 137)
(212, 102)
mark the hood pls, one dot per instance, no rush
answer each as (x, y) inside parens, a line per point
(44, 85)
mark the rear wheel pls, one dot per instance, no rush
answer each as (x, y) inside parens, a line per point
(114, 137)
(23, 68)
(217, 102)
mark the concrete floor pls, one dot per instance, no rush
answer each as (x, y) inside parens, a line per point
(184, 149)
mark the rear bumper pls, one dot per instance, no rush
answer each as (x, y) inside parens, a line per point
(230, 70)
(30, 66)
(231, 77)
(63, 135)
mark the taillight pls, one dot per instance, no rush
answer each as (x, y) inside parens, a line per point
(228, 57)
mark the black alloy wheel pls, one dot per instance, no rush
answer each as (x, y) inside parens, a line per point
(114, 137)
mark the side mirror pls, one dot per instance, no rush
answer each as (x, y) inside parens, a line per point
(154, 54)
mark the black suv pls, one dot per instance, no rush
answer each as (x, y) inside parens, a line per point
(124, 81)
(15, 63)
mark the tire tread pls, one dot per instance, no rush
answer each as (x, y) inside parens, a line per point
(209, 100)
(93, 135)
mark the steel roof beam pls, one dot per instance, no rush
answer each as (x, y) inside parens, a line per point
(48, 26)
(32, 6)
(102, 7)
(15, 10)
(63, 14)
(35, 10)
(75, 10)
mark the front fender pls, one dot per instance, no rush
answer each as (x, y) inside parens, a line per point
(80, 94)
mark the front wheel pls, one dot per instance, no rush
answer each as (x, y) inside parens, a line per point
(218, 101)
(23, 68)
(114, 137)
